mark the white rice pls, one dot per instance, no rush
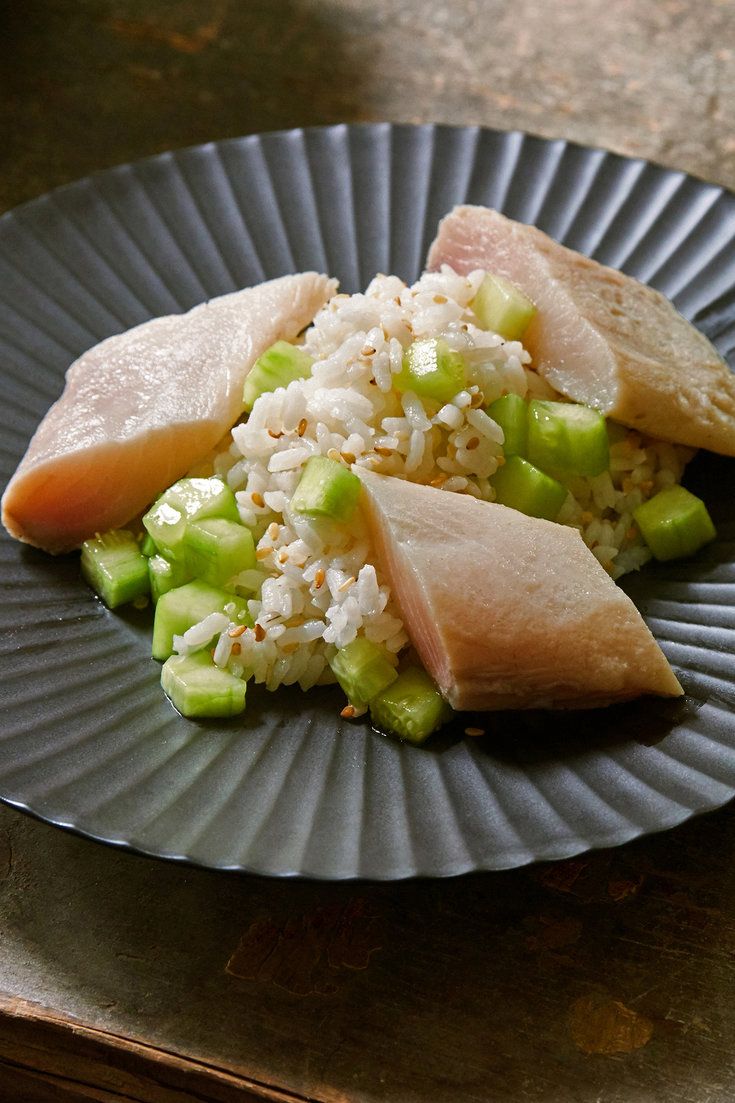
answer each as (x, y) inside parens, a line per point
(317, 587)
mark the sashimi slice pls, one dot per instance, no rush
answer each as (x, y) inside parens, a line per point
(599, 336)
(139, 409)
(508, 611)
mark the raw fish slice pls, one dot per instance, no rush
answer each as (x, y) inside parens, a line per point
(139, 409)
(508, 611)
(601, 337)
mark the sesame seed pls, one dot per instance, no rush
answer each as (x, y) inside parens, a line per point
(333, 454)
(368, 351)
(257, 499)
(236, 648)
(276, 436)
(259, 633)
(348, 457)
(283, 556)
(348, 712)
(383, 451)
(301, 428)
(439, 480)
(440, 299)
(347, 583)
(472, 443)
(236, 631)
(319, 579)
(263, 553)
(289, 648)
(474, 731)
(477, 400)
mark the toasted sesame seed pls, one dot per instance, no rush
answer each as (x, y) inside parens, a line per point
(283, 556)
(333, 454)
(474, 731)
(383, 451)
(259, 633)
(348, 457)
(347, 583)
(257, 499)
(319, 579)
(263, 553)
(472, 444)
(477, 400)
(348, 712)
(301, 427)
(236, 631)
(289, 648)
(368, 350)
(236, 648)
(439, 480)
(276, 436)
(440, 299)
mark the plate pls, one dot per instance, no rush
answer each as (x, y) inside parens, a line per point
(87, 740)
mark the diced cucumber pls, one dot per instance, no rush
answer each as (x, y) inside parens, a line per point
(326, 489)
(363, 670)
(411, 707)
(196, 687)
(277, 367)
(431, 370)
(180, 609)
(187, 500)
(565, 436)
(165, 575)
(502, 308)
(511, 414)
(674, 523)
(148, 545)
(115, 567)
(522, 486)
(217, 549)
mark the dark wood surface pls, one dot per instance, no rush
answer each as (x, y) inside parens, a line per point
(604, 979)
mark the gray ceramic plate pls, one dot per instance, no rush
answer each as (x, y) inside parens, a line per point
(87, 740)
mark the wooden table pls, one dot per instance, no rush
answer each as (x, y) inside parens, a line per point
(605, 978)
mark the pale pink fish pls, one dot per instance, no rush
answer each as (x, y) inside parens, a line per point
(139, 409)
(508, 611)
(601, 337)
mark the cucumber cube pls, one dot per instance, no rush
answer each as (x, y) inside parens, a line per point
(431, 370)
(165, 575)
(326, 489)
(502, 308)
(674, 523)
(217, 549)
(363, 670)
(511, 414)
(565, 436)
(196, 687)
(115, 567)
(184, 607)
(148, 545)
(522, 486)
(187, 500)
(411, 707)
(277, 367)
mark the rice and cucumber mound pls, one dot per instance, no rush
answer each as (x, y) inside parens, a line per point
(265, 570)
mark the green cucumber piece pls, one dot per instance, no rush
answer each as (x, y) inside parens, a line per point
(165, 575)
(674, 523)
(115, 568)
(522, 486)
(511, 413)
(180, 609)
(217, 549)
(411, 707)
(187, 500)
(502, 308)
(277, 367)
(147, 545)
(566, 436)
(196, 687)
(326, 489)
(431, 370)
(363, 670)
